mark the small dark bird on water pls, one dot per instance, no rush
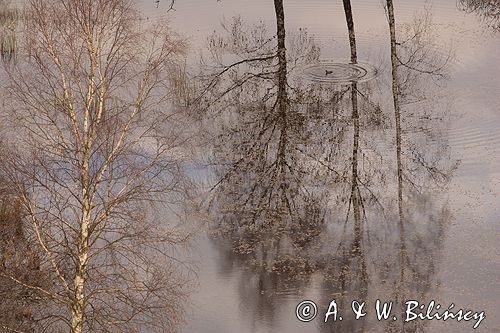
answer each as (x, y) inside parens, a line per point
(328, 72)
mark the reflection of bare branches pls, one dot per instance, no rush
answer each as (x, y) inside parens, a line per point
(283, 202)
(171, 6)
(215, 78)
(489, 10)
(420, 62)
(419, 57)
(438, 175)
(259, 169)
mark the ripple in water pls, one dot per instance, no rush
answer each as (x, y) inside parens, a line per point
(332, 72)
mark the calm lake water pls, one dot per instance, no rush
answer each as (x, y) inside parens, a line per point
(445, 248)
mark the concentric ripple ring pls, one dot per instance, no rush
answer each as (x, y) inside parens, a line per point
(336, 72)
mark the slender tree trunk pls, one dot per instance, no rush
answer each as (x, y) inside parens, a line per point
(395, 94)
(78, 307)
(79, 302)
(397, 116)
(355, 193)
(282, 80)
(350, 28)
(355, 153)
(282, 93)
(355, 118)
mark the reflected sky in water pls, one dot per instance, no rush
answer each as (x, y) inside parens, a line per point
(307, 215)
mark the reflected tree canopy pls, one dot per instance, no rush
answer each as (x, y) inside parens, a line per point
(488, 10)
(305, 184)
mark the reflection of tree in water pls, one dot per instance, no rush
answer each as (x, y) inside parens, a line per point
(421, 229)
(261, 130)
(258, 287)
(265, 201)
(488, 10)
(290, 201)
(346, 270)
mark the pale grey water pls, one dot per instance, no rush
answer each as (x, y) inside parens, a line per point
(234, 297)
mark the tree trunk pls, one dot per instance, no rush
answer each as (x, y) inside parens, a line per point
(282, 95)
(79, 302)
(282, 81)
(350, 28)
(355, 118)
(397, 116)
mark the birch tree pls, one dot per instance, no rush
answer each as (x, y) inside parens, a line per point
(96, 146)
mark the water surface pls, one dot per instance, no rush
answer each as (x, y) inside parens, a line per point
(339, 241)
